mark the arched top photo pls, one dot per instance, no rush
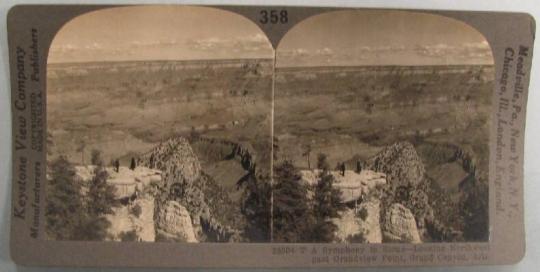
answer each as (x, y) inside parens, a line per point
(382, 37)
(158, 33)
(158, 126)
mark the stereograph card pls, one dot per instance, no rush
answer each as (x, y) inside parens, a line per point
(238, 136)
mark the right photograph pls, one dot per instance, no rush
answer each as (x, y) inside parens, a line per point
(381, 130)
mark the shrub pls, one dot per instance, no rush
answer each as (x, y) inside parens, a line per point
(128, 236)
(136, 210)
(363, 213)
(356, 238)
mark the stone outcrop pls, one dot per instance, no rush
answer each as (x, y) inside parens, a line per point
(400, 163)
(181, 172)
(140, 223)
(143, 222)
(370, 226)
(173, 223)
(364, 222)
(135, 215)
(185, 183)
(126, 181)
(400, 225)
(175, 159)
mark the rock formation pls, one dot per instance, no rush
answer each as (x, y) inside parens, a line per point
(364, 222)
(184, 182)
(125, 181)
(400, 163)
(133, 189)
(400, 225)
(175, 159)
(143, 223)
(370, 226)
(173, 223)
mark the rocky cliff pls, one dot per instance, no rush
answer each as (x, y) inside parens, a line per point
(360, 225)
(184, 182)
(390, 197)
(400, 163)
(173, 223)
(400, 226)
(175, 159)
(134, 218)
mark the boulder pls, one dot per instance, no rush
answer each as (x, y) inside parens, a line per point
(400, 225)
(173, 223)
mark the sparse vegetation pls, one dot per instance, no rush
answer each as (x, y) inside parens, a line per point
(363, 213)
(357, 238)
(128, 236)
(136, 210)
(365, 114)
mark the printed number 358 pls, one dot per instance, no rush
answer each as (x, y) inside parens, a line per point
(273, 16)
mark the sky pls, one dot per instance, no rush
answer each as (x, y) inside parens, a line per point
(354, 37)
(158, 33)
(376, 37)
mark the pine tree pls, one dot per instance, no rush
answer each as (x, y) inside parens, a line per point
(101, 195)
(256, 209)
(100, 201)
(307, 154)
(292, 217)
(326, 204)
(64, 205)
(475, 213)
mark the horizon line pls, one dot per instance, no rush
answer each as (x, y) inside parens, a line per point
(266, 59)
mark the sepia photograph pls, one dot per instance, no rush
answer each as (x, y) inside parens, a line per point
(184, 124)
(159, 127)
(267, 136)
(381, 129)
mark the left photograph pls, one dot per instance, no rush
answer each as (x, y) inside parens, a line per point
(159, 127)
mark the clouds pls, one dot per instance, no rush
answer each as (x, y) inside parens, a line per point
(158, 33)
(244, 44)
(336, 38)
(382, 37)
(256, 45)
(67, 52)
(247, 46)
(419, 54)
(480, 51)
